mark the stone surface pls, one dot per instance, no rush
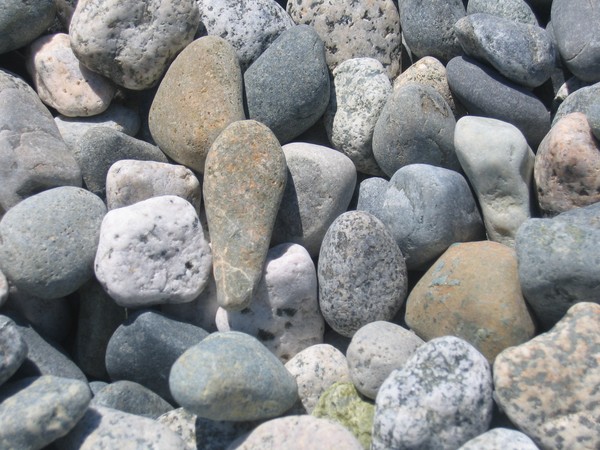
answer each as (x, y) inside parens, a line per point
(319, 187)
(498, 162)
(567, 166)
(22, 22)
(441, 398)
(153, 252)
(216, 391)
(132, 43)
(580, 100)
(200, 95)
(245, 166)
(515, 10)
(132, 398)
(593, 117)
(548, 386)
(500, 439)
(13, 348)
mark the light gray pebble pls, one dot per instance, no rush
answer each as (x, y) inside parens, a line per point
(95, 386)
(500, 439)
(371, 194)
(13, 348)
(132, 398)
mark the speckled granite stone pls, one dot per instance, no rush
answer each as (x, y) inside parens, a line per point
(516, 10)
(500, 439)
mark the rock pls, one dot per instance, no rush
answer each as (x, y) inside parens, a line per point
(370, 30)
(95, 386)
(287, 87)
(472, 292)
(36, 411)
(581, 100)
(361, 271)
(48, 241)
(245, 166)
(22, 22)
(62, 82)
(500, 439)
(416, 125)
(562, 91)
(144, 348)
(132, 43)
(315, 369)
(567, 165)
(441, 398)
(471, 82)
(547, 386)
(200, 95)
(3, 289)
(499, 165)
(557, 262)
(515, 10)
(593, 118)
(216, 391)
(13, 348)
(153, 252)
(375, 351)
(371, 195)
(34, 156)
(132, 398)
(319, 187)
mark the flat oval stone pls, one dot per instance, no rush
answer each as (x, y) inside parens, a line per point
(206, 382)
(13, 349)
(22, 22)
(515, 10)
(199, 96)
(245, 166)
(132, 398)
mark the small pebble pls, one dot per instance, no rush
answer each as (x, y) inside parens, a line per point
(132, 398)
(500, 439)
(13, 349)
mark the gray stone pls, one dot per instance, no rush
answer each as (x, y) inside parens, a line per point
(48, 241)
(95, 386)
(287, 87)
(245, 166)
(36, 411)
(144, 348)
(132, 43)
(515, 10)
(132, 398)
(217, 391)
(21, 22)
(500, 439)
(441, 398)
(320, 184)
(362, 273)
(415, 126)
(371, 195)
(13, 348)
(582, 100)
(593, 117)
(558, 262)
(3, 286)
(565, 87)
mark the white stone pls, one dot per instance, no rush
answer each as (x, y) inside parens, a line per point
(500, 439)
(153, 252)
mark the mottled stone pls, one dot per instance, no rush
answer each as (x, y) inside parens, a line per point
(515, 10)
(13, 348)
(22, 22)
(3, 289)
(441, 398)
(500, 439)
(548, 386)
(580, 100)
(245, 166)
(132, 398)
(371, 195)
(200, 95)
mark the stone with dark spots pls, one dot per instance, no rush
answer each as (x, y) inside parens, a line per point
(515, 10)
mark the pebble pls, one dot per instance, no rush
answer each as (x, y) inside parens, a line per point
(375, 351)
(548, 386)
(320, 184)
(22, 22)
(516, 10)
(441, 398)
(199, 96)
(500, 439)
(498, 163)
(257, 386)
(132, 398)
(3, 288)
(132, 43)
(13, 349)
(245, 166)
(580, 100)
(593, 118)
(361, 271)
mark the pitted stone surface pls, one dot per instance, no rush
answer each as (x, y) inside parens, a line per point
(22, 22)
(13, 349)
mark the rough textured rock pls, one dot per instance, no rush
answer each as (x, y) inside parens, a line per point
(22, 22)
(132, 398)
(500, 439)
(13, 349)
(515, 10)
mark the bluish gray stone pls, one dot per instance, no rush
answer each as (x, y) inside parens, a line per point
(132, 398)
(48, 241)
(593, 117)
(21, 22)
(232, 376)
(582, 100)
(95, 386)
(287, 87)
(361, 271)
(515, 10)
(13, 349)
(371, 194)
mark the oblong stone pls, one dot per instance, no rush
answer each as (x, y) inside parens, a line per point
(132, 398)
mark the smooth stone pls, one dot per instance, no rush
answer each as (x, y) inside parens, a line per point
(593, 118)
(199, 96)
(320, 184)
(132, 398)
(132, 43)
(471, 82)
(498, 163)
(62, 82)
(371, 195)
(284, 313)
(515, 10)
(48, 241)
(153, 252)
(581, 100)
(216, 391)
(548, 386)
(245, 166)
(22, 22)
(95, 386)
(13, 348)
(567, 166)
(500, 439)
(441, 398)
(472, 292)
(250, 26)
(564, 88)
(287, 88)
(354, 30)
(558, 262)
(36, 411)
(361, 271)
(375, 351)
(106, 428)
(522, 53)
(33, 155)
(3, 289)
(416, 126)
(144, 348)
(315, 369)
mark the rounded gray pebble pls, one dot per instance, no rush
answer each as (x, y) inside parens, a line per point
(132, 398)
(13, 349)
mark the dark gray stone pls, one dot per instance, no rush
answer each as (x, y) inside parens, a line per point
(132, 398)
(472, 82)
(582, 100)
(593, 117)
(558, 262)
(13, 349)
(144, 348)
(21, 22)
(515, 10)
(287, 87)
